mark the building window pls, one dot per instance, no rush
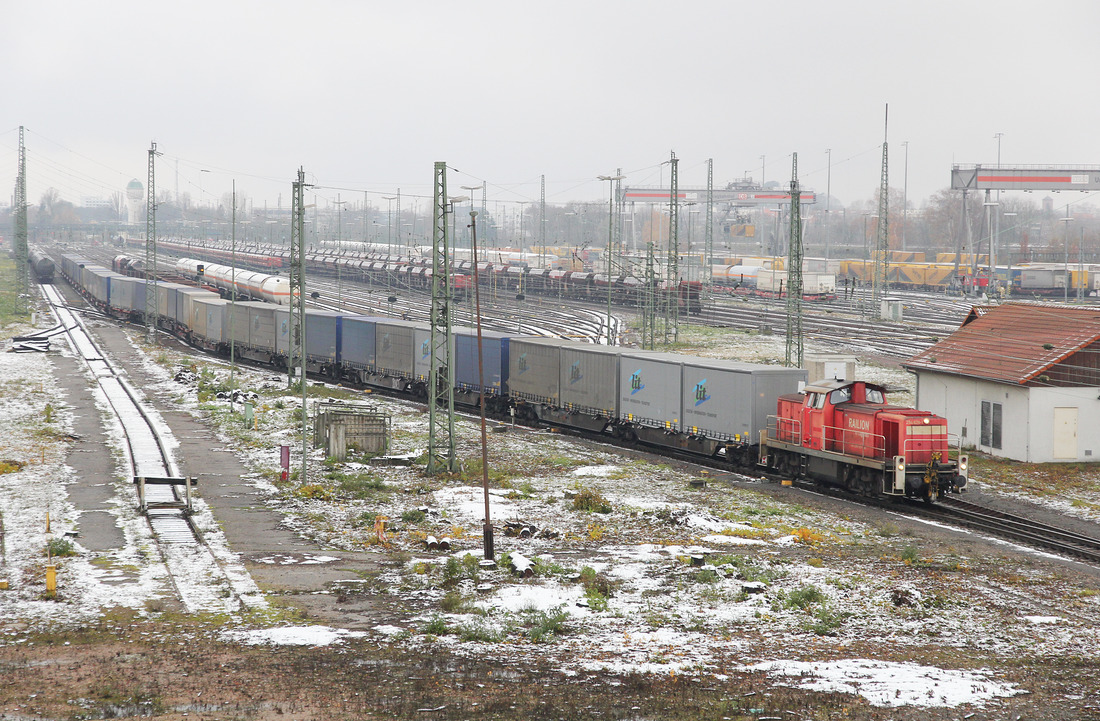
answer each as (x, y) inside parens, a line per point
(991, 424)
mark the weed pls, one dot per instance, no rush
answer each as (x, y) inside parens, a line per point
(436, 626)
(887, 529)
(910, 555)
(544, 626)
(590, 500)
(60, 547)
(413, 515)
(478, 630)
(365, 519)
(313, 491)
(804, 597)
(826, 621)
(362, 485)
(453, 602)
(706, 575)
(807, 537)
(596, 531)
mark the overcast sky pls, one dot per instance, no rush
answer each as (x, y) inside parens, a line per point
(367, 95)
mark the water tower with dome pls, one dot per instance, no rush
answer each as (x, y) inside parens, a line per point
(135, 193)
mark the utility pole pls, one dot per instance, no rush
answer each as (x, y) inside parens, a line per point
(672, 267)
(22, 252)
(297, 306)
(882, 252)
(794, 274)
(151, 248)
(441, 432)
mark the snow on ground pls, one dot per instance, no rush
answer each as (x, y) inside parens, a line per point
(624, 585)
(889, 684)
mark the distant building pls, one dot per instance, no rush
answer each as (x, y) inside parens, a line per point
(1020, 381)
(90, 202)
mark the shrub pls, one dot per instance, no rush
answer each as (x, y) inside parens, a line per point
(313, 491)
(910, 554)
(413, 515)
(436, 626)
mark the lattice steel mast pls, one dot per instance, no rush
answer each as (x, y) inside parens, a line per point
(297, 350)
(22, 252)
(794, 274)
(649, 308)
(672, 267)
(151, 247)
(882, 246)
(708, 242)
(441, 398)
(542, 221)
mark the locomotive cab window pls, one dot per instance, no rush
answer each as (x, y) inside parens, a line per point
(817, 400)
(841, 395)
(874, 395)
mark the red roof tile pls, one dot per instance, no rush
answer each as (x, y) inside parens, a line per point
(1013, 343)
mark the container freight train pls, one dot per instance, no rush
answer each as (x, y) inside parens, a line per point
(737, 415)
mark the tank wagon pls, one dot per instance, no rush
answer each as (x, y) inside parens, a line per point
(41, 265)
(738, 415)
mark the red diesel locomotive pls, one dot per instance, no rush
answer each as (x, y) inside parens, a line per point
(845, 433)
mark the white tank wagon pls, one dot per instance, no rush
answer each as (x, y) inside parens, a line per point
(245, 283)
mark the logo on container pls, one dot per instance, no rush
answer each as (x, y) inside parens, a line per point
(523, 363)
(426, 349)
(385, 342)
(701, 392)
(575, 372)
(636, 381)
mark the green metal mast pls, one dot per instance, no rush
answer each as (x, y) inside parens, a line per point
(151, 247)
(882, 246)
(649, 309)
(672, 267)
(708, 243)
(298, 305)
(542, 222)
(794, 274)
(22, 252)
(441, 397)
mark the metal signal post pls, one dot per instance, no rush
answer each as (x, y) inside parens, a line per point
(441, 397)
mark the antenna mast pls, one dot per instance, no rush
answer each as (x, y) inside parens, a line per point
(794, 274)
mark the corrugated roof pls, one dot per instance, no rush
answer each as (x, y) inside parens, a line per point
(1012, 343)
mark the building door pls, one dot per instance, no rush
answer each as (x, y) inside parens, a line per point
(1065, 434)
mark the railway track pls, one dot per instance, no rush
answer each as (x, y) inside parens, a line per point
(198, 577)
(1018, 528)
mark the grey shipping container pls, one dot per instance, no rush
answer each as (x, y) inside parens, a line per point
(649, 389)
(260, 325)
(729, 400)
(534, 369)
(209, 317)
(185, 297)
(123, 288)
(357, 342)
(394, 347)
(422, 347)
(166, 299)
(96, 280)
(590, 379)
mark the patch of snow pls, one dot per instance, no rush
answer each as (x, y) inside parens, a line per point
(884, 683)
(293, 636)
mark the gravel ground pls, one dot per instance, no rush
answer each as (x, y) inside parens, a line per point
(804, 606)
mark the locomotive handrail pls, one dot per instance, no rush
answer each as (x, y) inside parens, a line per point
(880, 441)
(779, 424)
(954, 449)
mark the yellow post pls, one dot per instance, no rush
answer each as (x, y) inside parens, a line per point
(51, 580)
(47, 521)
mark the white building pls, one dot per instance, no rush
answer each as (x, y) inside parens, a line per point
(1020, 380)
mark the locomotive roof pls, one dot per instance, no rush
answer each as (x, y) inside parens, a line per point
(831, 384)
(1019, 343)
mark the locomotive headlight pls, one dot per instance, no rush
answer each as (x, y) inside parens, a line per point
(927, 421)
(963, 464)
